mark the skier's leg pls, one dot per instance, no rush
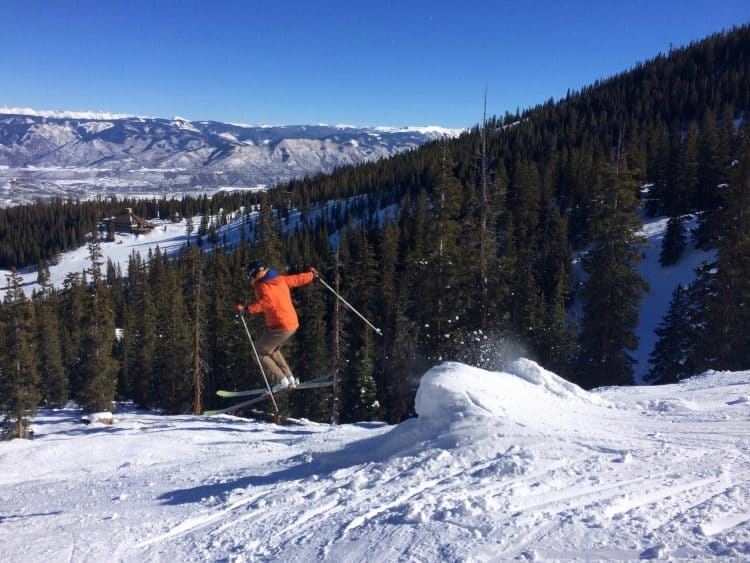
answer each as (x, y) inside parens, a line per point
(275, 375)
(267, 346)
(277, 357)
(281, 363)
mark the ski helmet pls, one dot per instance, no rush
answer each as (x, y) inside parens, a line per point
(254, 267)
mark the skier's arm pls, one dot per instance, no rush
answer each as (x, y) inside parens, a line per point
(264, 302)
(296, 280)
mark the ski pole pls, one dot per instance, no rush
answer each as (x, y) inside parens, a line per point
(257, 359)
(345, 302)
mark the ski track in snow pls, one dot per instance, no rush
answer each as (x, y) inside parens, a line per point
(505, 465)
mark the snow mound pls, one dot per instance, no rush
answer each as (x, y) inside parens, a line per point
(553, 383)
(456, 402)
(454, 391)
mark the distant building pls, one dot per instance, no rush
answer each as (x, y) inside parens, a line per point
(130, 222)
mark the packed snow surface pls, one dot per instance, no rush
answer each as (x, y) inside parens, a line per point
(499, 465)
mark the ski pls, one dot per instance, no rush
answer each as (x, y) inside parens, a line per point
(312, 384)
(251, 392)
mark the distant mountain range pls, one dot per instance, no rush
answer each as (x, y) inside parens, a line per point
(85, 155)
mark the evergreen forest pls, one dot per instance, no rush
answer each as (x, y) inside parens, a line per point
(456, 251)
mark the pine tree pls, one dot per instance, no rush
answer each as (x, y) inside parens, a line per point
(116, 284)
(486, 214)
(173, 346)
(402, 361)
(440, 298)
(313, 357)
(203, 228)
(226, 338)
(728, 322)
(712, 161)
(73, 307)
(192, 268)
(110, 231)
(19, 375)
(674, 242)
(268, 241)
(54, 383)
(687, 190)
(709, 171)
(525, 202)
(673, 355)
(124, 351)
(660, 173)
(363, 391)
(676, 199)
(557, 336)
(360, 390)
(387, 296)
(612, 293)
(213, 233)
(98, 366)
(96, 257)
(556, 339)
(338, 335)
(140, 331)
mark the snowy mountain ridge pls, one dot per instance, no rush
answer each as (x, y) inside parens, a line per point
(87, 154)
(66, 114)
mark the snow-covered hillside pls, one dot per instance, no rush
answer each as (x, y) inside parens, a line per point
(169, 237)
(516, 464)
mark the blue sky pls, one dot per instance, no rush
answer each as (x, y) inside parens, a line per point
(373, 62)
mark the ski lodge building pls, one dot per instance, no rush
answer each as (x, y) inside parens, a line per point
(130, 223)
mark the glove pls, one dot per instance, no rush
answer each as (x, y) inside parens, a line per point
(315, 273)
(240, 309)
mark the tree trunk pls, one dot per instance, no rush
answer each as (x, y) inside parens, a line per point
(197, 379)
(336, 351)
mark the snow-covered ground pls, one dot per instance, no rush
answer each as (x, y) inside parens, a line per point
(499, 465)
(169, 236)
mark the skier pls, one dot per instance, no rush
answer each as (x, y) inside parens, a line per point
(274, 300)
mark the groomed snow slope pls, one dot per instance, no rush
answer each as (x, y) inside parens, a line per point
(517, 464)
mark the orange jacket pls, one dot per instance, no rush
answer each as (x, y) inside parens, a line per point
(274, 299)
